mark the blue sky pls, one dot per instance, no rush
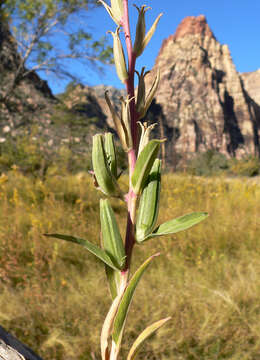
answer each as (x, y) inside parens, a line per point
(233, 22)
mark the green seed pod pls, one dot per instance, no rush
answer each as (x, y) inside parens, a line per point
(143, 165)
(119, 56)
(149, 203)
(111, 153)
(105, 179)
(111, 238)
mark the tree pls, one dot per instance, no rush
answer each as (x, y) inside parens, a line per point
(48, 33)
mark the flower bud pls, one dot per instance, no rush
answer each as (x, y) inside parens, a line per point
(119, 56)
(149, 203)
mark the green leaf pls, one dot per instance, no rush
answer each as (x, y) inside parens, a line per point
(94, 249)
(126, 301)
(179, 224)
(143, 336)
(144, 164)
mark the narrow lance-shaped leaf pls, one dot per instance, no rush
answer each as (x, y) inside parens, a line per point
(108, 326)
(145, 335)
(94, 249)
(179, 224)
(126, 301)
(144, 164)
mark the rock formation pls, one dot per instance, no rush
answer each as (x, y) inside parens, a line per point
(30, 102)
(202, 102)
(252, 84)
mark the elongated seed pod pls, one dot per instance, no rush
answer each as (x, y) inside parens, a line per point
(117, 9)
(144, 164)
(112, 240)
(105, 179)
(111, 153)
(149, 203)
(119, 56)
(140, 30)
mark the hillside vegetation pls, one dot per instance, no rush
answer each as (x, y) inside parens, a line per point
(207, 278)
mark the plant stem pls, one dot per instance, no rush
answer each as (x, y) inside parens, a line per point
(131, 199)
(131, 73)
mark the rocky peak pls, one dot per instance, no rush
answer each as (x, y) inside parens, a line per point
(201, 102)
(193, 25)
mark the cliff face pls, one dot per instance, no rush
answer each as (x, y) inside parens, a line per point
(252, 84)
(202, 102)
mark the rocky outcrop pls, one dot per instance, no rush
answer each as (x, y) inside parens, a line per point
(202, 102)
(31, 100)
(252, 84)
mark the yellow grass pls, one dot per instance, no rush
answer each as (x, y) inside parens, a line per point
(207, 278)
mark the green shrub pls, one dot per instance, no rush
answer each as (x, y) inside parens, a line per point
(24, 152)
(208, 163)
(248, 166)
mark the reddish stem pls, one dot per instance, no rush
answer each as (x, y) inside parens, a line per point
(131, 199)
(131, 73)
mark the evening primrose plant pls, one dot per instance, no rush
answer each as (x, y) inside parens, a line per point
(143, 196)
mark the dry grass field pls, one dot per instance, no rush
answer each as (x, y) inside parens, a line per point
(52, 293)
